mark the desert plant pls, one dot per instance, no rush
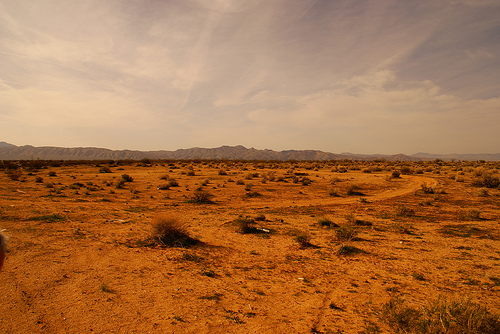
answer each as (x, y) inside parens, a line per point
(487, 180)
(303, 239)
(426, 189)
(402, 211)
(442, 316)
(349, 250)
(127, 178)
(395, 174)
(14, 174)
(333, 192)
(104, 170)
(325, 222)
(260, 217)
(120, 183)
(353, 190)
(201, 197)
(164, 186)
(346, 233)
(245, 225)
(169, 231)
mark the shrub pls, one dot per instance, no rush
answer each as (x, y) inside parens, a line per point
(346, 233)
(349, 249)
(104, 170)
(260, 217)
(487, 181)
(127, 178)
(14, 174)
(426, 189)
(333, 192)
(173, 183)
(403, 211)
(169, 231)
(201, 197)
(441, 316)
(304, 239)
(164, 186)
(353, 190)
(246, 225)
(325, 222)
(120, 183)
(395, 174)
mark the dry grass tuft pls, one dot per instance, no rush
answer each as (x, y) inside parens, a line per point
(169, 231)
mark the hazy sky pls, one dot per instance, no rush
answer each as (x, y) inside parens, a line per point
(384, 76)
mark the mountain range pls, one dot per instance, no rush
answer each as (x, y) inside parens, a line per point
(28, 152)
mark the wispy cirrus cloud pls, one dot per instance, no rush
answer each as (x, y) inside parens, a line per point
(372, 77)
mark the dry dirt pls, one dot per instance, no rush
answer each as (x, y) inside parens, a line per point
(77, 261)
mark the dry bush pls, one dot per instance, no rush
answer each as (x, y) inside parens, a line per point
(169, 231)
(442, 316)
(402, 211)
(201, 197)
(346, 233)
(303, 239)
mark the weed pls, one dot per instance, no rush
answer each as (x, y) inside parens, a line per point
(403, 228)
(473, 214)
(104, 170)
(105, 288)
(303, 239)
(253, 194)
(395, 174)
(120, 183)
(49, 218)
(216, 296)
(418, 276)
(127, 178)
(353, 190)
(426, 189)
(192, 257)
(169, 231)
(346, 233)
(260, 217)
(164, 186)
(442, 316)
(325, 222)
(334, 192)
(402, 211)
(349, 250)
(246, 225)
(201, 197)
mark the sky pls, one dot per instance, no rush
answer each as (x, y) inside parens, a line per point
(385, 76)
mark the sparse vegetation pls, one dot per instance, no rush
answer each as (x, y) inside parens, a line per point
(441, 316)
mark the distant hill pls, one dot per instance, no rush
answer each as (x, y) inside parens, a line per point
(28, 152)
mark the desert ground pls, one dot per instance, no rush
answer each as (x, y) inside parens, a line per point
(277, 247)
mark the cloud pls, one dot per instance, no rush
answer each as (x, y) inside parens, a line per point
(335, 75)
